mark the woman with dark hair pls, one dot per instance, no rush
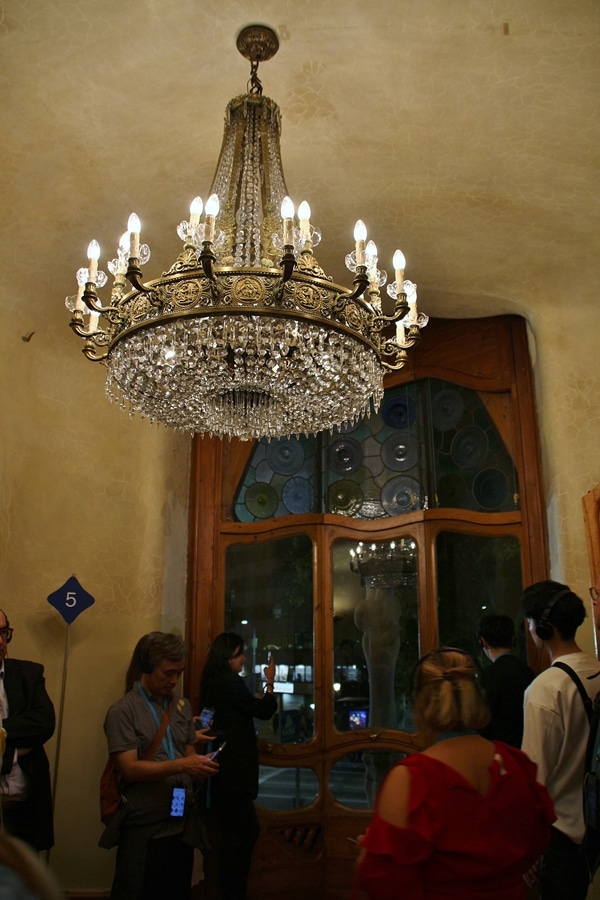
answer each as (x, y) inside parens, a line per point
(235, 788)
(466, 818)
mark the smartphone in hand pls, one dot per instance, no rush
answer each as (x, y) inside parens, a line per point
(216, 752)
(205, 718)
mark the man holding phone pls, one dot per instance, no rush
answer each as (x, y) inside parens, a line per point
(152, 738)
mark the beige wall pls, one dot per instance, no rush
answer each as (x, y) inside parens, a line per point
(567, 377)
(84, 490)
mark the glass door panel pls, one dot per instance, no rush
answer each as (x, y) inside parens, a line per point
(269, 603)
(477, 575)
(376, 639)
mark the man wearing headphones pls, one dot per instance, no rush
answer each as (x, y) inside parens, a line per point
(556, 731)
(152, 738)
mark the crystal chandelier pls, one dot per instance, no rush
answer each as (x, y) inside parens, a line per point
(245, 335)
(386, 564)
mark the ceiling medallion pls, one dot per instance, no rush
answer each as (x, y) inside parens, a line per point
(245, 335)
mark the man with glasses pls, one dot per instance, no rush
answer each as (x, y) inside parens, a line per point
(27, 716)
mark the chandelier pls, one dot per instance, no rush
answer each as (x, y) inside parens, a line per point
(245, 335)
(386, 564)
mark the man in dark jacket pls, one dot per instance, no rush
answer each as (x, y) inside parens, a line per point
(505, 681)
(27, 717)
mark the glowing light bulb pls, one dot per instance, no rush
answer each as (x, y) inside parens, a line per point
(196, 207)
(399, 263)
(134, 227)
(304, 219)
(287, 214)
(360, 236)
(93, 252)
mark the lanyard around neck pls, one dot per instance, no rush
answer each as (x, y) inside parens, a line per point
(167, 741)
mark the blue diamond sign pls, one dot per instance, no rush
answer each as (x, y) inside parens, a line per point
(70, 600)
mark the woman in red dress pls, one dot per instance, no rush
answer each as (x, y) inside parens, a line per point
(466, 818)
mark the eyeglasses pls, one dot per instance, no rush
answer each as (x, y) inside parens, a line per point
(6, 634)
(594, 594)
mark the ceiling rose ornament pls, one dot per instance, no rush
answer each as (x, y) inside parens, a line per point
(245, 335)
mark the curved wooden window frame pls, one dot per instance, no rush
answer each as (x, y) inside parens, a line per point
(489, 355)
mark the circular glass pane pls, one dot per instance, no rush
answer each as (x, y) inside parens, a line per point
(262, 500)
(400, 495)
(400, 452)
(345, 456)
(469, 447)
(344, 498)
(285, 456)
(297, 495)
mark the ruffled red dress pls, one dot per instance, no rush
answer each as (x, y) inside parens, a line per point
(459, 844)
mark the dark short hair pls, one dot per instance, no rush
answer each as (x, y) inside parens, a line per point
(221, 650)
(497, 630)
(159, 646)
(566, 614)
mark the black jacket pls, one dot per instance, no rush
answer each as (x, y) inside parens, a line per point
(235, 710)
(504, 683)
(30, 723)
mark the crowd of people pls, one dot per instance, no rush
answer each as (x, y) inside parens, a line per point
(491, 807)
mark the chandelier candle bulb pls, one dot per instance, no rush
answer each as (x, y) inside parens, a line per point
(134, 227)
(304, 219)
(360, 236)
(122, 254)
(371, 262)
(195, 212)
(93, 253)
(399, 263)
(287, 214)
(212, 211)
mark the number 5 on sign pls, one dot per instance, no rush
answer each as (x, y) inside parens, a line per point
(70, 600)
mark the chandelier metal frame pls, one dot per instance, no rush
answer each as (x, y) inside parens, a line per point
(245, 334)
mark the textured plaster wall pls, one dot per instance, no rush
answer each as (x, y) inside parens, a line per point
(84, 490)
(567, 377)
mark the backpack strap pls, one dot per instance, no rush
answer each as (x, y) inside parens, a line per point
(587, 702)
(164, 722)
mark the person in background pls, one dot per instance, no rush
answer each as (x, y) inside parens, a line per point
(154, 832)
(27, 715)
(466, 818)
(556, 731)
(504, 681)
(134, 673)
(235, 788)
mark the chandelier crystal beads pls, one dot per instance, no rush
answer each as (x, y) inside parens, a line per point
(245, 335)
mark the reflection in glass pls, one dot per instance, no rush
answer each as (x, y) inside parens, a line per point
(477, 575)
(349, 778)
(375, 633)
(286, 788)
(269, 602)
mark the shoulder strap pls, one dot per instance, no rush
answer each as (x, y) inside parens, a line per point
(584, 694)
(164, 722)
